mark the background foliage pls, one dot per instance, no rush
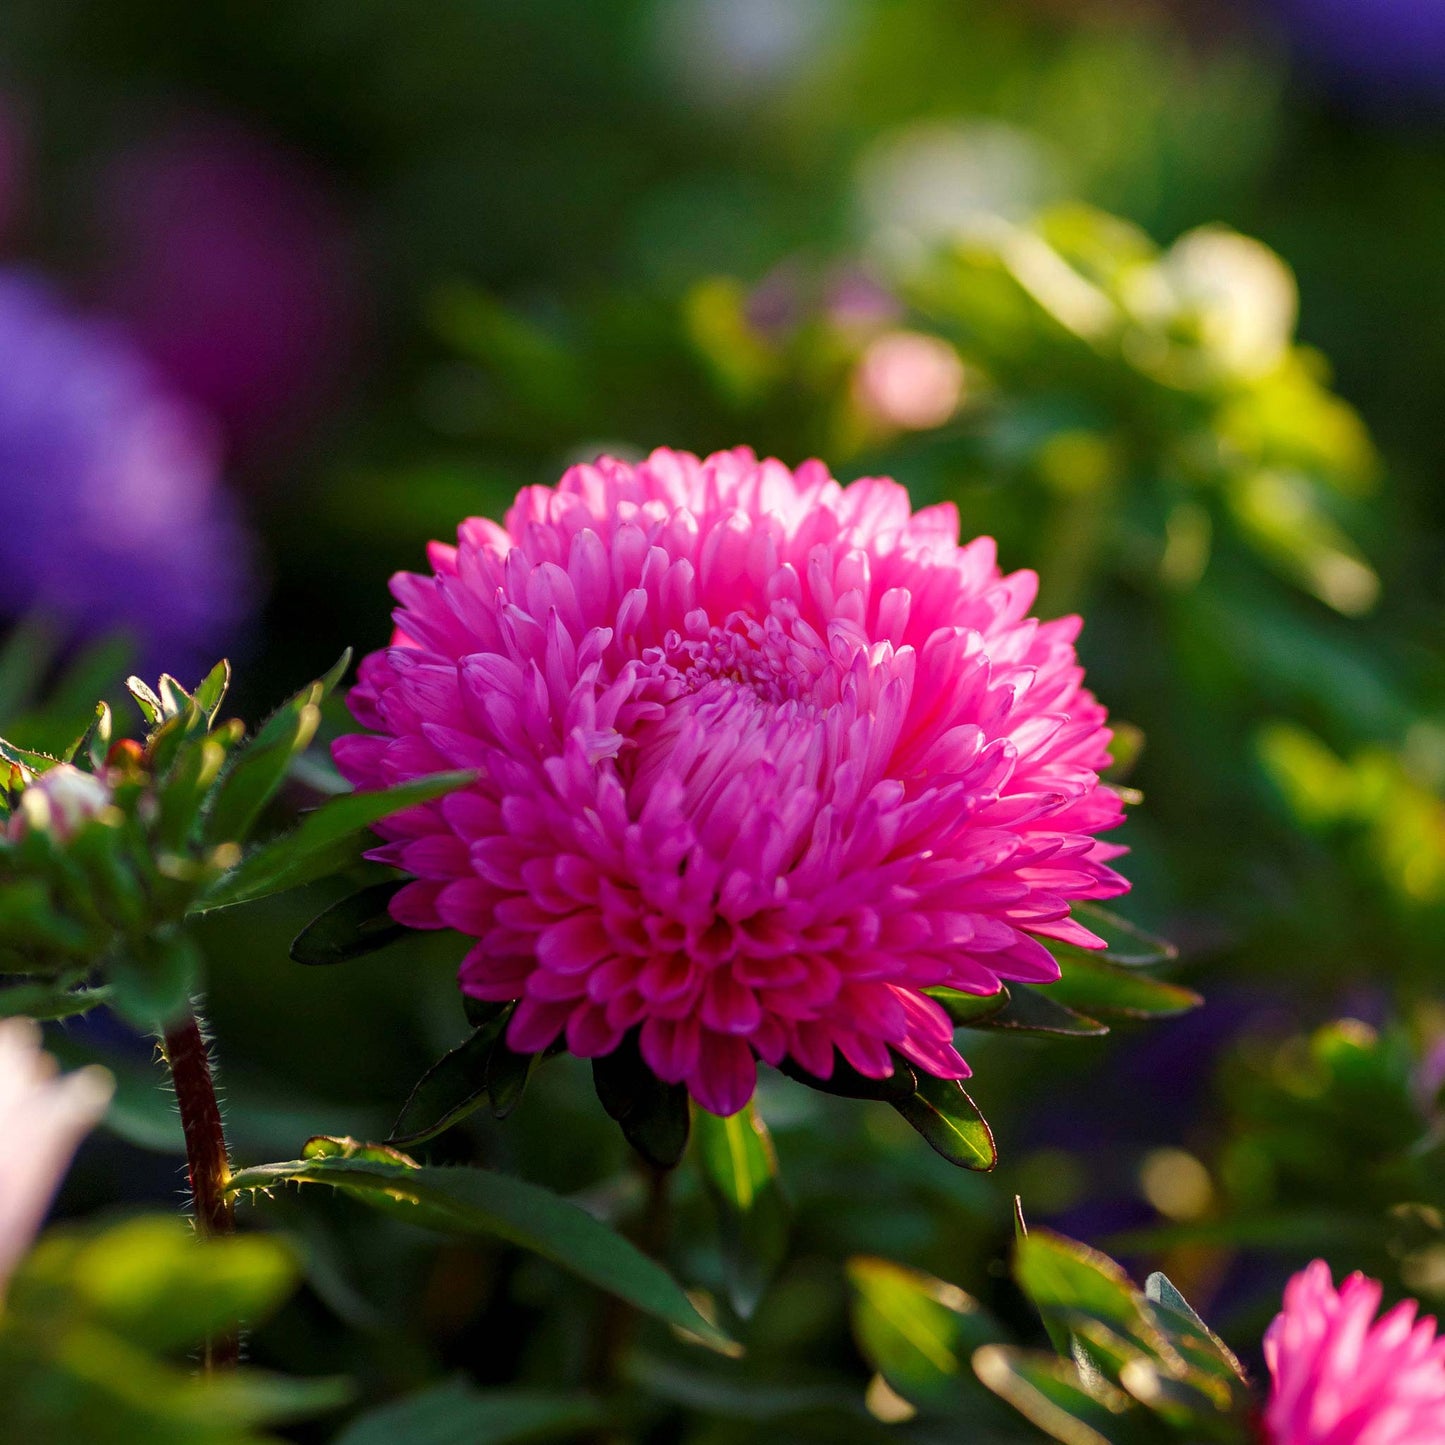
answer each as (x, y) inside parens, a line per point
(527, 233)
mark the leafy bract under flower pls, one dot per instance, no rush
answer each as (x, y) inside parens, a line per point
(759, 758)
(1341, 1377)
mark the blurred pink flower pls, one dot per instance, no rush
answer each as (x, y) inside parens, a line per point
(910, 381)
(760, 757)
(42, 1118)
(234, 268)
(1341, 1377)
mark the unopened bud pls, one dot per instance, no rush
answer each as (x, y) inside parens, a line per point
(60, 802)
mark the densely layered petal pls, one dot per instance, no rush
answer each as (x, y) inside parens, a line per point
(760, 757)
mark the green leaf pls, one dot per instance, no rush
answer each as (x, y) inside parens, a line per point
(26, 759)
(479, 1202)
(1101, 988)
(152, 1281)
(740, 1168)
(949, 1120)
(847, 1083)
(304, 853)
(260, 768)
(1066, 1280)
(155, 988)
(146, 700)
(1191, 1336)
(174, 698)
(916, 1331)
(1048, 1393)
(50, 1001)
(452, 1088)
(1125, 943)
(1031, 1011)
(330, 679)
(457, 1413)
(94, 742)
(507, 1076)
(212, 689)
(352, 928)
(969, 1010)
(654, 1116)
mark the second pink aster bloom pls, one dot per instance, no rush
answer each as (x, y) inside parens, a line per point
(760, 758)
(1341, 1377)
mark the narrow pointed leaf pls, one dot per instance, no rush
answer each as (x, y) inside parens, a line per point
(655, 1116)
(949, 1120)
(847, 1083)
(918, 1332)
(1031, 1011)
(740, 1168)
(1125, 942)
(480, 1202)
(969, 1010)
(212, 689)
(507, 1076)
(1100, 988)
(48, 1001)
(146, 700)
(1048, 1393)
(352, 928)
(308, 850)
(260, 768)
(452, 1088)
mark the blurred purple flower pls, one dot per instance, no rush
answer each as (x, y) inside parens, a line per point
(114, 514)
(236, 271)
(1394, 48)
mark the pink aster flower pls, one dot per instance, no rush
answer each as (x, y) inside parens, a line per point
(759, 759)
(1341, 1377)
(42, 1118)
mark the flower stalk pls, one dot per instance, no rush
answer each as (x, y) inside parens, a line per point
(208, 1162)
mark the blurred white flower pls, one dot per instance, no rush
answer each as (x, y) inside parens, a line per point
(43, 1117)
(933, 183)
(1242, 295)
(732, 52)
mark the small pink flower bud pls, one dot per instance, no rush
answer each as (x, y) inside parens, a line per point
(60, 802)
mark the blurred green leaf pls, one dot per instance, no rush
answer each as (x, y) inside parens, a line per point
(1048, 1393)
(740, 1167)
(153, 983)
(47, 1001)
(152, 1281)
(916, 1331)
(457, 1413)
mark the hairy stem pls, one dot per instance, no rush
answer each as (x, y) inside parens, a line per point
(207, 1161)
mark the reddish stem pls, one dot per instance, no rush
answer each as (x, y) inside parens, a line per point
(207, 1161)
